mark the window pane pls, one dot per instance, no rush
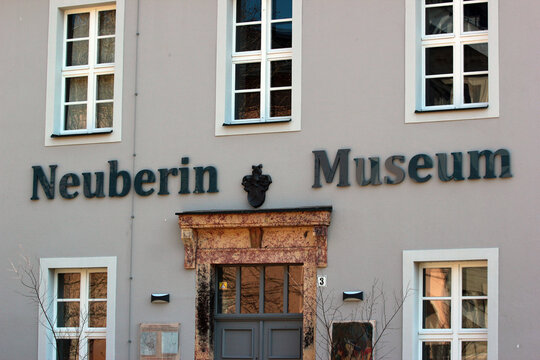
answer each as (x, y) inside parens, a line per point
(76, 89)
(77, 53)
(248, 10)
(98, 285)
(475, 281)
(475, 17)
(104, 115)
(281, 9)
(429, 2)
(248, 38)
(439, 60)
(105, 51)
(280, 103)
(437, 282)
(67, 314)
(475, 57)
(474, 350)
(97, 314)
(436, 350)
(69, 286)
(105, 89)
(249, 290)
(282, 35)
(248, 76)
(67, 349)
(107, 22)
(475, 89)
(273, 289)
(247, 105)
(75, 117)
(97, 349)
(78, 25)
(296, 287)
(281, 73)
(227, 290)
(436, 314)
(474, 314)
(439, 91)
(439, 20)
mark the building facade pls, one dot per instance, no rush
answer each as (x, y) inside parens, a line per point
(213, 179)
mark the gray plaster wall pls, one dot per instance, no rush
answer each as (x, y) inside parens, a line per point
(352, 97)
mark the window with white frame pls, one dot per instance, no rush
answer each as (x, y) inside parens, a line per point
(84, 72)
(258, 66)
(79, 323)
(81, 313)
(451, 59)
(453, 312)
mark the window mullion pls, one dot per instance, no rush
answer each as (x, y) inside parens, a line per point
(265, 92)
(458, 54)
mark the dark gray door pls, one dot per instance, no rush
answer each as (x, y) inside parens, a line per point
(263, 339)
(258, 313)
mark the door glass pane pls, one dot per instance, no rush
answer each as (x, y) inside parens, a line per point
(281, 9)
(282, 35)
(107, 22)
(475, 57)
(249, 290)
(439, 91)
(78, 25)
(475, 89)
(98, 285)
(97, 349)
(273, 289)
(248, 10)
(248, 76)
(97, 314)
(281, 73)
(439, 60)
(474, 314)
(105, 51)
(439, 20)
(247, 105)
(475, 281)
(67, 349)
(280, 103)
(248, 38)
(77, 53)
(226, 290)
(69, 285)
(474, 350)
(296, 287)
(475, 17)
(436, 314)
(436, 350)
(437, 282)
(67, 314)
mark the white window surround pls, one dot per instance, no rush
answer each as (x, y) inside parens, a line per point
(224, 76)
(53, 111)
(48, 267)
(411, 266)
(413, 70)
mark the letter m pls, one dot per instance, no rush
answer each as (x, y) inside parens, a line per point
(46, 185)
(322, 163)
(474, 158)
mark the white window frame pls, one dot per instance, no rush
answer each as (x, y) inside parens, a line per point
(413, 262)
(415, 42)
(224, 124)
(57, 72)
(49, 269)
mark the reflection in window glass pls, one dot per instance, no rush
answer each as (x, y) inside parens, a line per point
(227, 290)
(432, 350)
(437, 314)
(296, 288)
(97, 349)
(474, 350)
(273, 288)
(249, 289)
(437, 282)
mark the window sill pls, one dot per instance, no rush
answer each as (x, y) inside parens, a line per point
(453, 109)
(259, 123)
(81, 134)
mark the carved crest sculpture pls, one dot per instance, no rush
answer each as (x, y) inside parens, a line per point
(256, 186)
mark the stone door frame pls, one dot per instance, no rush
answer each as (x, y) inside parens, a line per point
(277, 236)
